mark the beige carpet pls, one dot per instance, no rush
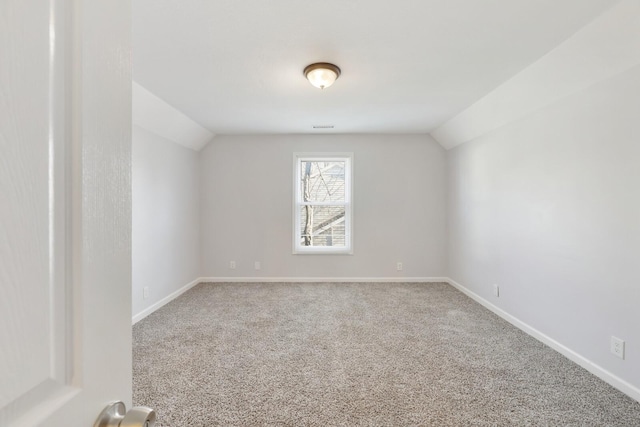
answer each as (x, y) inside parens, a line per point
(356, 354)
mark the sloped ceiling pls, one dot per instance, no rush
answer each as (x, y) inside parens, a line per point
(158, 116)
(235, 67)
(607, 46)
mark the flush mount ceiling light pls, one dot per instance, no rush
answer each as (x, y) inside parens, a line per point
(322, 74)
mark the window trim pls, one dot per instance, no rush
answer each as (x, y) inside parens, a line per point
(298, 249)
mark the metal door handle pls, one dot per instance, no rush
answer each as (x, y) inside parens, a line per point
(116, 415)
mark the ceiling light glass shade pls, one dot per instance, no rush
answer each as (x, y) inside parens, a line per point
(322, 74)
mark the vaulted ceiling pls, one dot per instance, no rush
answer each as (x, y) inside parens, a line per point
(407, 65)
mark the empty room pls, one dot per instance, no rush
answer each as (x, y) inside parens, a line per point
(338, 213)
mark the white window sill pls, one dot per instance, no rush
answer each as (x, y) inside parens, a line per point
(317, 251)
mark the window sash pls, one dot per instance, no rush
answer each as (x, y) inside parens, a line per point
(324, 183)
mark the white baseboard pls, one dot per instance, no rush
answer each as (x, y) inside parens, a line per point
(147, 311)
(628, 389)
(324, 279)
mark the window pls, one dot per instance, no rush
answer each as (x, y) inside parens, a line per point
(322, 203)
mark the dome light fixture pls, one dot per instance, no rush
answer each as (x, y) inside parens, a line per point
(321, 74)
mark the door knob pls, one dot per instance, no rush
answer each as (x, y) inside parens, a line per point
(116, 415)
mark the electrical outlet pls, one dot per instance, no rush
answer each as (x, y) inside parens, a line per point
(232, 265)
(257, 265)
(617, 347)
(399, 266)
(496, 290)
(145, 292)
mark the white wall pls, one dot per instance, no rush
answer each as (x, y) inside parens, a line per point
(166, 217)
(399, 206)
(548, 208)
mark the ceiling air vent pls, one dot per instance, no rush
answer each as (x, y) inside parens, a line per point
(323, 127)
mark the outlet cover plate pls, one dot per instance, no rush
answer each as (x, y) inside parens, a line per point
(617, 347)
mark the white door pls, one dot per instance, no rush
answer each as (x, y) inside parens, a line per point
(65, 210)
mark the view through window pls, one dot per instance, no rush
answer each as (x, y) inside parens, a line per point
(323, 204)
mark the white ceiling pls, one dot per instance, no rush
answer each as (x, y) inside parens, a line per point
(235, 66)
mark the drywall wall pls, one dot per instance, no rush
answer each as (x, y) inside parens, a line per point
(399, 206)
(166, 218)
(548, 208)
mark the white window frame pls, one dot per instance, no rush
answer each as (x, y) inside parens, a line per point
(298, 158)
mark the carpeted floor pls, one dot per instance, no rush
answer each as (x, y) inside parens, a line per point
(356, 354)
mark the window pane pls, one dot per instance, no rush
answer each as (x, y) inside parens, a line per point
(322, 225)
(322, 181)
